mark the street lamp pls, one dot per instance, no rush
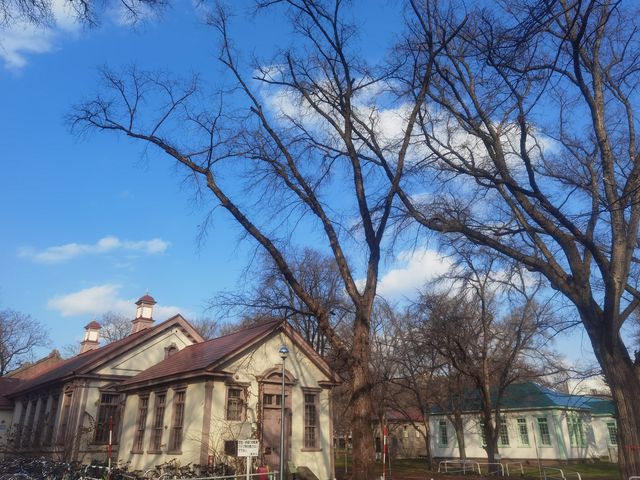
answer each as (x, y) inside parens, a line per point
(284, 353)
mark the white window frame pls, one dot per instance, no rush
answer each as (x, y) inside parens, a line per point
(541, 436)
(443, 429)
(523, 433)
(503, 432)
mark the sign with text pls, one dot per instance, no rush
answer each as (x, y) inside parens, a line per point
(248, 448)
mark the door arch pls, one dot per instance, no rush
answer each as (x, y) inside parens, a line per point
(270, 415)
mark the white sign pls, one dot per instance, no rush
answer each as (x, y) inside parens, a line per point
(248, 448)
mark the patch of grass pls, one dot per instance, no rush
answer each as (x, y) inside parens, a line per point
(417, 467)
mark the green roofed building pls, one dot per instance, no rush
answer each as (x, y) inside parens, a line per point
(537, 423)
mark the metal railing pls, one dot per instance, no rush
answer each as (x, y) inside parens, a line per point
(494, 472)
(514, 463)
(548, 473)
(459, 466)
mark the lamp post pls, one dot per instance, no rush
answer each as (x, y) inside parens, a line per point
(284, 352)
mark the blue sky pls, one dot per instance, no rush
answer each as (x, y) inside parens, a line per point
(90, 224)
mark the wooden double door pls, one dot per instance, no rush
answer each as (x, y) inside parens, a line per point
(271, 424)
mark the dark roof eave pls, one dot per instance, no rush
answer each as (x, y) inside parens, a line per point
(181, 377)
(515, 409)
(328, 384)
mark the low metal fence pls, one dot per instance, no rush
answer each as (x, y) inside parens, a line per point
(458, 466)
(513, 464)
(552, 473)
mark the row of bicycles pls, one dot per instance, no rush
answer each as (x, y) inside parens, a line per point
(47, 469)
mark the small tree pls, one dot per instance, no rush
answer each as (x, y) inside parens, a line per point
(492, 346)
(271, 297)
(113, 327)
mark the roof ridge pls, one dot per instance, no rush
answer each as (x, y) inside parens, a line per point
(246, 329)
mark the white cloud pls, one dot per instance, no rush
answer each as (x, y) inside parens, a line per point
(69, 251)
(103, 298)
(414, 268)
(23, 38)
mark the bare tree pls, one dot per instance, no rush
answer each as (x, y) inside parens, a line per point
(531, 128)
(415, 369)
(277, 173)
(207, 327)
(113, 327)
(270, 296)
(41, 13)
(492, 345)
(20, 335)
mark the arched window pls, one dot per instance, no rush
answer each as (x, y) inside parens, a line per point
(170, 350)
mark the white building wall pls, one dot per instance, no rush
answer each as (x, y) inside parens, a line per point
(597, 444)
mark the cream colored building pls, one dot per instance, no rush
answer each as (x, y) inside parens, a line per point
(195, 405)
(69, 410)
(163, 393)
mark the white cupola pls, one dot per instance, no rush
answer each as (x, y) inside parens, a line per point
(91, 337)
(144, 313)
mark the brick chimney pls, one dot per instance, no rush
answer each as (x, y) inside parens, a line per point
(144, 314)
(91, 335)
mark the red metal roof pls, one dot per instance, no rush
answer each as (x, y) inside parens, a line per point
(146, 299)
(203, 355)
(410, 414)
(93, 325)
(84, 362)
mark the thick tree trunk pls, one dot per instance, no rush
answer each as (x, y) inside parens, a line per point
(427, 442)
(361, 405)
(622, 375)
(458, 426)
(489, 431)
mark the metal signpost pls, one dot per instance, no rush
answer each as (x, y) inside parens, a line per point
(248, 448)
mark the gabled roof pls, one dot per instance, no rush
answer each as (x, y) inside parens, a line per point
(530, 396)
(205, 358)
(86, 362)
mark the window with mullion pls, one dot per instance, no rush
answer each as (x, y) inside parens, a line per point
(612, 429)
(504, 433)
(107, 417)
(311, 420)
(235, 404)
(158, 422)
(64, 421)
(576, 431)
(141, 424)
(523, 431)
(545, 433)
(175, 442)
(443, 434)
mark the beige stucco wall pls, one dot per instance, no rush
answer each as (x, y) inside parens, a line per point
(244, 371)
(86, 399)
(259, 361)
(146, 355)
(192, 438)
